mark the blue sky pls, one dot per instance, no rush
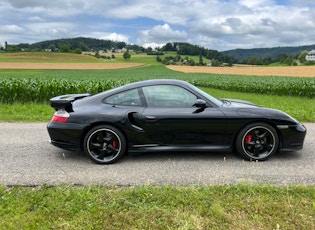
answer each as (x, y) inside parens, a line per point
(214, 24)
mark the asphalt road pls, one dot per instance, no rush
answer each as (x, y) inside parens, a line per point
(27, 158)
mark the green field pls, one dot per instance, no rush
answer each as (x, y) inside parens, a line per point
(47, 57)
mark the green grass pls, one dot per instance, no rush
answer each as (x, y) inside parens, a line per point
(29, 112)
(158, 207)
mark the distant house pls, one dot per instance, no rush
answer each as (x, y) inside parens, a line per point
(310, 56)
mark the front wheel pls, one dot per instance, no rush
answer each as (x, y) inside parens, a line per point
(257, 141)
(104, 144)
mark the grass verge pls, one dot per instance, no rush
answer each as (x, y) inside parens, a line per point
(29, 112)
(157, 207)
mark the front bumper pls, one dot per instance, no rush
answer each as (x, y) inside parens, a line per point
(292, 137)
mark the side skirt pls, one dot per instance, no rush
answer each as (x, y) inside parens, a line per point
(181, 148)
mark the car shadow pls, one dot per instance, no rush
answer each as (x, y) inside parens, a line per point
(175, 156)
(179, 156)
(287, 156)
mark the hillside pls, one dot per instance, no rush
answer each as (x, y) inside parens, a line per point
(242, 54)
(93, 44)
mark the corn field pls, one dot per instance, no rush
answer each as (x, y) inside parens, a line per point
(40, 90)
(283, 86)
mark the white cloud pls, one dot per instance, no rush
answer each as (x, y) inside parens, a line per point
(115, 37)
(161, 34)
(215, 24)
(11, 29)
(36, 19)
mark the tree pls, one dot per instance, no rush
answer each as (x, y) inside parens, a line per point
(200, 59)
(64, 49)
(77, 51)
(158, 58)
(121, 45)
(302, 56)
(126, 55)
(52, 47)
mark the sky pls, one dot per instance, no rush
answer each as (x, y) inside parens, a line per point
(214, 24)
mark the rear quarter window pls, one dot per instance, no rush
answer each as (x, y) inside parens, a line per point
(127, 98)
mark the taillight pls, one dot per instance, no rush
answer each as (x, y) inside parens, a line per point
(60, 116)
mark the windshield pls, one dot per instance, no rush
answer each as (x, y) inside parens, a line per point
(207, 96)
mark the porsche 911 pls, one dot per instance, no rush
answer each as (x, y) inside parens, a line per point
(168, 115)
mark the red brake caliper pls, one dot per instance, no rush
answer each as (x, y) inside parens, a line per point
(115, 144)
(248, 138)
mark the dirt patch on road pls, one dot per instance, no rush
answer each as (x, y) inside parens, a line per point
(290, 71)
(69, 66)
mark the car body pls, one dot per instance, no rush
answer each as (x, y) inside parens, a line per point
(168, 115)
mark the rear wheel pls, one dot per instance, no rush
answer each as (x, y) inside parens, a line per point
(257, 141)
(104, 144)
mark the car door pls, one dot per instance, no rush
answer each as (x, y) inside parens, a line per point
(171, 118)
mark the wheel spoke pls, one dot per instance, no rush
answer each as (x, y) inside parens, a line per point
(96, 145)
(100, 137)
(102, 154)
(262, 136)
(256, 134)
(250, 146)
(112, 149)
(257, 151)
(267, 146)
(108, 139)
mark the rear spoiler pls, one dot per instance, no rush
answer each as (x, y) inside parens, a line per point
(65, 101)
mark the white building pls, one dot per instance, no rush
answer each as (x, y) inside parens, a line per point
(310, 56)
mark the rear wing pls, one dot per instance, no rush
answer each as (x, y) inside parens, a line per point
(65, 101)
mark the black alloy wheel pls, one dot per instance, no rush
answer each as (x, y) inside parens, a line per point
(104, 144)
(257, 141)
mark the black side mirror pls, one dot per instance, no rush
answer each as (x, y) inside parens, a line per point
(200, 103)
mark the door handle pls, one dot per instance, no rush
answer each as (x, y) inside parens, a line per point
(151, 119)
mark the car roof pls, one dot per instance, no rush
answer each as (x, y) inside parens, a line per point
(146, 83)
(155, 82)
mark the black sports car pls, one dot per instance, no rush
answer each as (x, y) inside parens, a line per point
(168, 115)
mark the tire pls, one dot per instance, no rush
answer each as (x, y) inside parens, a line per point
(257, 141)
(104, 144)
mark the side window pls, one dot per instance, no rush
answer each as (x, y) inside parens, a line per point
(127, 98)
(168, 96)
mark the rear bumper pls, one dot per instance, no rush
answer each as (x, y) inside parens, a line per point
(65, 145)
(66, 135)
